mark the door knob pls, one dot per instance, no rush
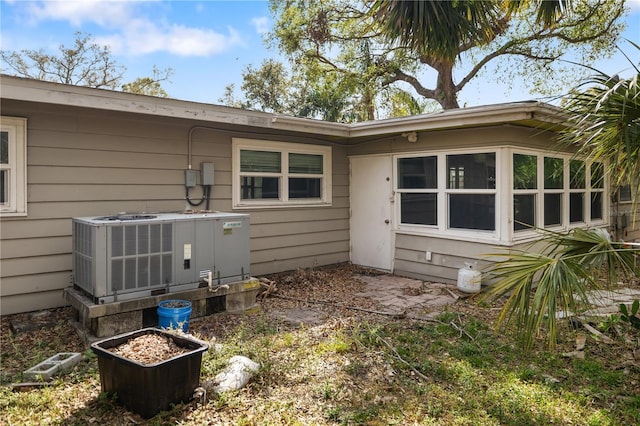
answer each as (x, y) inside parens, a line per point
(386, 221)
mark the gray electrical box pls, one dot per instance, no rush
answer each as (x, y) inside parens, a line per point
(190, 178)
(206, 174)
(138, 255)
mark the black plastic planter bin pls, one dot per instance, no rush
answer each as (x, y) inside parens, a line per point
(147, 389)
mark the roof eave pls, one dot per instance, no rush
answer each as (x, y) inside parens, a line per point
(531, 114)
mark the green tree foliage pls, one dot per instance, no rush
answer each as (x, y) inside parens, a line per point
(438, 28)
(84, 64)
(150, 86)
(145, 86)
(266, 87)
(523, 38)
(352, 42)
(400, 103)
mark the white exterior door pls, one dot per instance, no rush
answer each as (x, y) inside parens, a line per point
(371, 196)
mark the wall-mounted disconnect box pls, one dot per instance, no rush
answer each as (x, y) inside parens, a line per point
(190, 178)
(206, 173)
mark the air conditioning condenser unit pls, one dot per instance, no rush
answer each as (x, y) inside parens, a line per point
(130, 256)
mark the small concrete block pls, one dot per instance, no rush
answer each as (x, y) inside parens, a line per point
(63, 361)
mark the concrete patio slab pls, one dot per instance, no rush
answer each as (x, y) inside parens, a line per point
(400, 293)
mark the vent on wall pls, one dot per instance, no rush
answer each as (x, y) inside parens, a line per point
(131, 256)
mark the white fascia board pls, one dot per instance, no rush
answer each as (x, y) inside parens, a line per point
(461, 118)
(309, 125)
(62, 94)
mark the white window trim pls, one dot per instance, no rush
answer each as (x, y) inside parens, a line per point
(17, 176)
(284, 148)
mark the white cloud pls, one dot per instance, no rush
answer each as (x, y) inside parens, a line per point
(102, 12)
(634, 6)
(144, 37)
(261, 24)
(135, 35)
(184, 41)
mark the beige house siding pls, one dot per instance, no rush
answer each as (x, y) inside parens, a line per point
(84, 162)
(625, 221)
(447, 257)
(286, 239)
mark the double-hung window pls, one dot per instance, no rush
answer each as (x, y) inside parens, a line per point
(13, 166)
(418, 189)
(471, 191)
(273, 174)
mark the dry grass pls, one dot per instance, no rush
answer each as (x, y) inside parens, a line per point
(353, 368)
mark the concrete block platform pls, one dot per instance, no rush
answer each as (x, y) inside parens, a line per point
(109, 319)
(60, 362)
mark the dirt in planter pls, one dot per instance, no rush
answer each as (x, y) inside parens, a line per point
(149, 349)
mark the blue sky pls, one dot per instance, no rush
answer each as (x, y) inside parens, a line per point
(207, 43)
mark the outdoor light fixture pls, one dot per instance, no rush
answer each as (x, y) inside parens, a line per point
(411, 136)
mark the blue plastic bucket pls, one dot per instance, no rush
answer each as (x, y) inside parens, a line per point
(174, 314)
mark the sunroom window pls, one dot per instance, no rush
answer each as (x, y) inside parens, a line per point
(471, 188)
(277, 174)
(525, 185)
(577, 191)
(462, 195)
(568, 185)
(464, 185)
(553, 172)
(597, 191)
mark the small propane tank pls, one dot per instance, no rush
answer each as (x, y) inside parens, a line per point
(468, 279)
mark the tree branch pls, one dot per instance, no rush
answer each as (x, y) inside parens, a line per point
(399, 75)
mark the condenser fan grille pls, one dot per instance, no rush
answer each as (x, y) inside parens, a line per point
(125, 217)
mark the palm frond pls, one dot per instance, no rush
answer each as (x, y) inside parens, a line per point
(538, 284)
(605, 124)
(437, 28)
